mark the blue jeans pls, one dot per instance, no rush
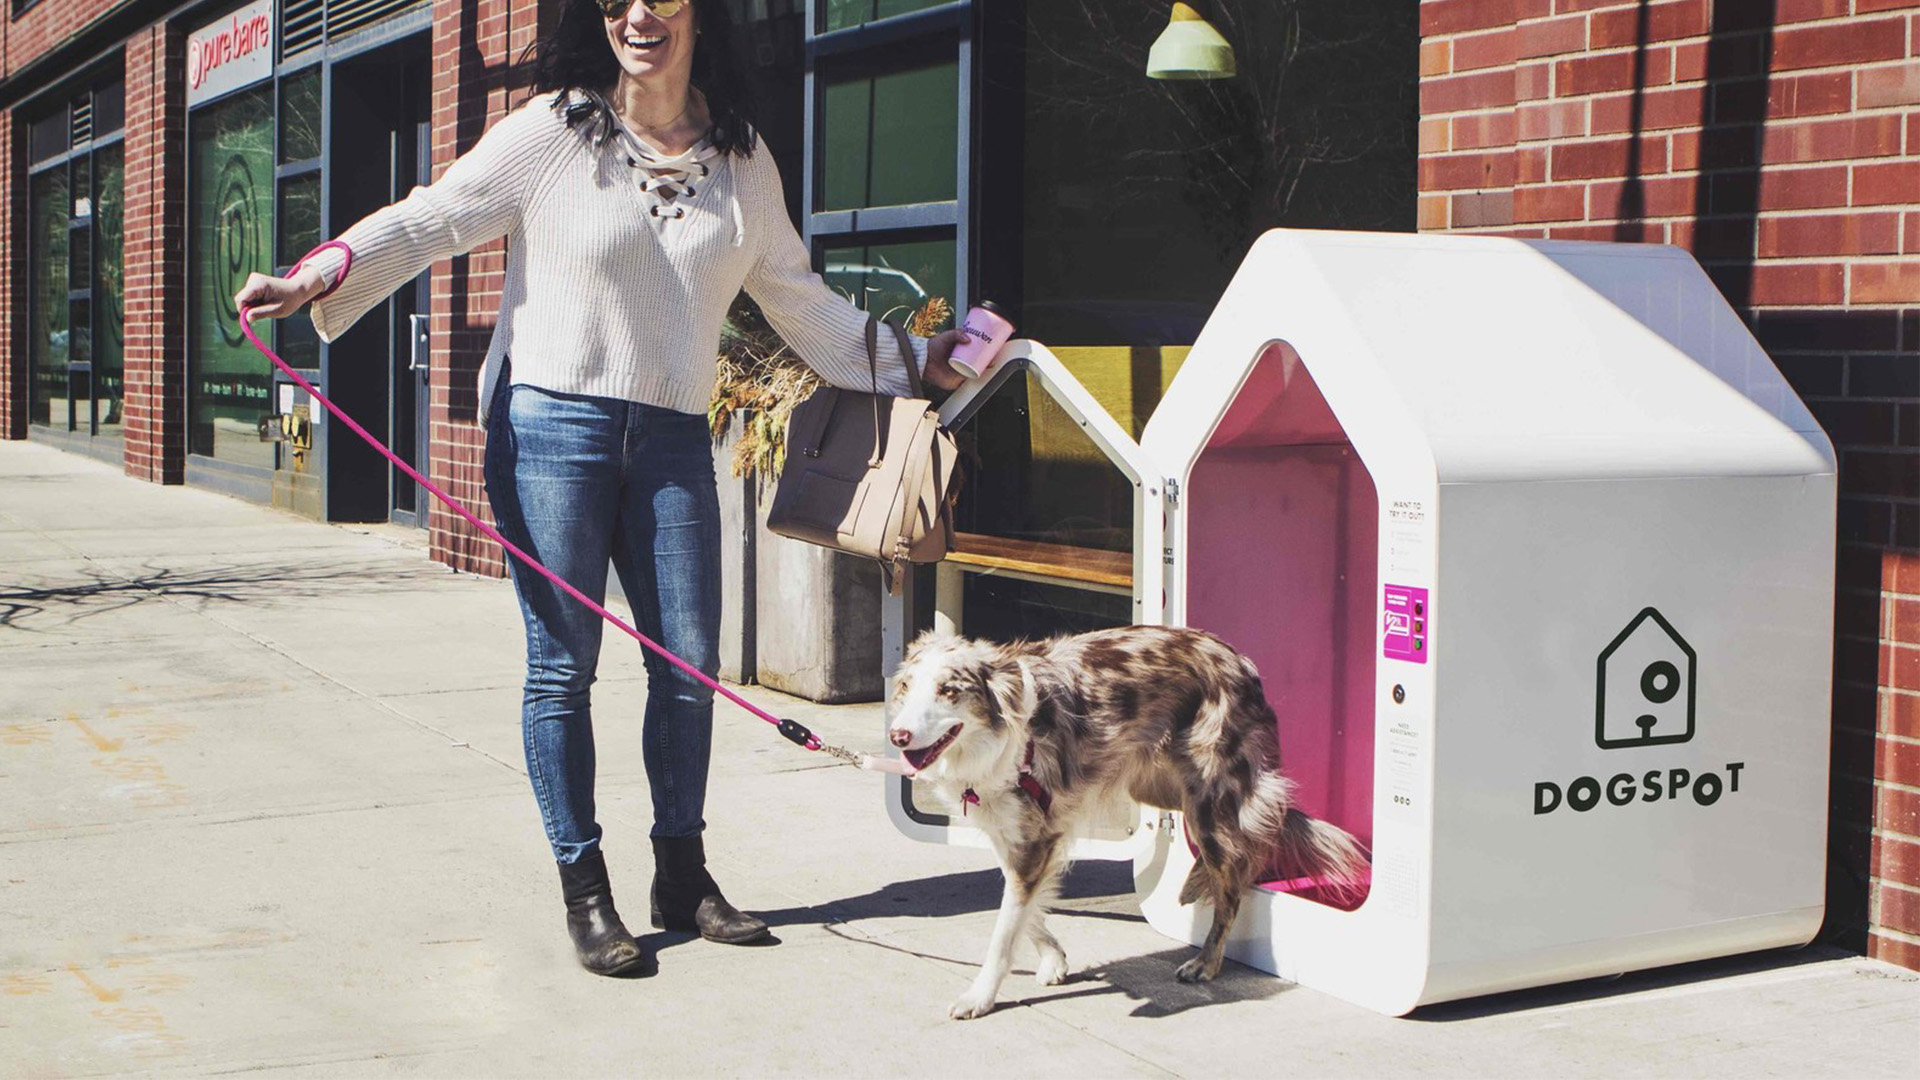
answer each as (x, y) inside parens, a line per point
(577, 481)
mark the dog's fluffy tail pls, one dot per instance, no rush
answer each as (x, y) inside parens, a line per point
(1312, 848)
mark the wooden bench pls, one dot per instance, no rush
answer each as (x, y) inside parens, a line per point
(1108, 571)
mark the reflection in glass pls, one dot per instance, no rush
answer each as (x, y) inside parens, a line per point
(842, 14)
(891, 138)
(300, 116)
(47, 337)
(891, 280)
(109, 285)
(1032, 473)
(1126, 203)
(230, 158)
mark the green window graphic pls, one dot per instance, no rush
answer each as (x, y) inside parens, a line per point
(231, 172)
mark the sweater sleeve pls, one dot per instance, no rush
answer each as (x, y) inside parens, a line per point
(479, 198)
(822, 326)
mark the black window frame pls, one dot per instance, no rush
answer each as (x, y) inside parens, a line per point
(80, 229)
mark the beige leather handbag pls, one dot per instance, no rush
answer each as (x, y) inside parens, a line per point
(868, 473)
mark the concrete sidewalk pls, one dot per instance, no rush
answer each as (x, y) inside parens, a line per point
(263, 808)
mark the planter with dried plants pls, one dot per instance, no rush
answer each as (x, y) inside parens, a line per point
(761, 380)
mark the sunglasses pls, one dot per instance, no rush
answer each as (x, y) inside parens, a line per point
(666, 9)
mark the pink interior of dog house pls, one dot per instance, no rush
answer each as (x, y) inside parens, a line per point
(1285, 530)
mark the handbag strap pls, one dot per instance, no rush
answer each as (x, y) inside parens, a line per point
(905, 342)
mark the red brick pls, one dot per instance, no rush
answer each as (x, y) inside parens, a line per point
(1551, 36)
(1483, 209)
(1900, 713)
(1453, 172)
(1895, 760)
(1610, 157)
(1797, 284)
(1886, 283)
(1897, 909)
(1900, 573)
(1564, 7)
(1792, 11)
(1889, 182)
(1476, 51)
(1659, 196)
(1900, 665)
(1439, 17)
(1868, 7)
(1893, 951)
(1593, 74)
(1903, 620)
(1665, 22)
(1549, 202)
(1530, 165)
(1856, 423)
(1855, 42)
(1482, 130)
(1552, 120)
(1432, 213)
(1436, 58)
(1896, 84)
(1832, 140)
(1463, 93)
(1897, 475)
(1803, 189)
(1659, 109)
(1435, 137)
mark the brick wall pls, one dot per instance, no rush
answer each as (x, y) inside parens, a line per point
(47, 26)
(1779, 140)
(155, 239)
(474, 45)
(13, 275)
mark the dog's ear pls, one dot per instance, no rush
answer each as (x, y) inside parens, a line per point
(1010, 691)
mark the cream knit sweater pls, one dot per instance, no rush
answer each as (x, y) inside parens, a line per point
(609, 290)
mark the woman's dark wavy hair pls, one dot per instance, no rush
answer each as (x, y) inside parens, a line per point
(575, 58)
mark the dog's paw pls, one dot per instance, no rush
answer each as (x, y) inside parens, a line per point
(1052, 968)
(1196, 971)
(971, 1005)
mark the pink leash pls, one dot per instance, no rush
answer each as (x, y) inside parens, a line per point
(794, 731)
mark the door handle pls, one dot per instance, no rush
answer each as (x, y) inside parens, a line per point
(420, 356)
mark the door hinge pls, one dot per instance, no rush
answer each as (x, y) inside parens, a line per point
(1173, 492)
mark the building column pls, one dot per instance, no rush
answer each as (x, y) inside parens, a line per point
(156, 274)
(13, 275)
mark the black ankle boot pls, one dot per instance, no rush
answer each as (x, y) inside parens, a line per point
(600, 939)
(686, 900)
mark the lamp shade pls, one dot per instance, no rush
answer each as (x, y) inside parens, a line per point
(1190, 48)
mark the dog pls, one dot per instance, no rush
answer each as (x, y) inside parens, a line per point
(1030, 738)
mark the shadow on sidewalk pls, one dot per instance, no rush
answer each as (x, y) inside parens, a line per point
(50, 607)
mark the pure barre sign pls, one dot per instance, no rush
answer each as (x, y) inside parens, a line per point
(230, 52)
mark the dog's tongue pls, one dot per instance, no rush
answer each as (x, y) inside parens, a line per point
(896, 766)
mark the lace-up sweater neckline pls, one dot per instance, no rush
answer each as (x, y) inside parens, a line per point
(621, 263)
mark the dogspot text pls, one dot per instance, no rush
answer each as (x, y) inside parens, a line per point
(1585, 793)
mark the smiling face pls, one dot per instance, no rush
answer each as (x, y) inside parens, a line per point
(650, 46)
(950, 703)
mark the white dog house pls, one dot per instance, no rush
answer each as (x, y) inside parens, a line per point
(1533, 547)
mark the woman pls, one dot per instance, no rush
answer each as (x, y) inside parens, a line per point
(637, 200)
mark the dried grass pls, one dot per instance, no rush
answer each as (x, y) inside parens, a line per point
(761, 381)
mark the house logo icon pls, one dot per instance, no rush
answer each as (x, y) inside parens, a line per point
(1645, 690)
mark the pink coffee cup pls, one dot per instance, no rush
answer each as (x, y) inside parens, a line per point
(987, 330)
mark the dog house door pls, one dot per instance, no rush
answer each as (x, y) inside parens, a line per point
(1059, 530)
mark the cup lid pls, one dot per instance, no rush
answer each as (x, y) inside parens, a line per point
(988, 305)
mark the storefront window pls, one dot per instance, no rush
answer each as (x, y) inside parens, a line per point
(842, 14)
(892, 280)
(230, 177)
(47, 337)
(109, 286)
(75, 326)
(891, 138)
